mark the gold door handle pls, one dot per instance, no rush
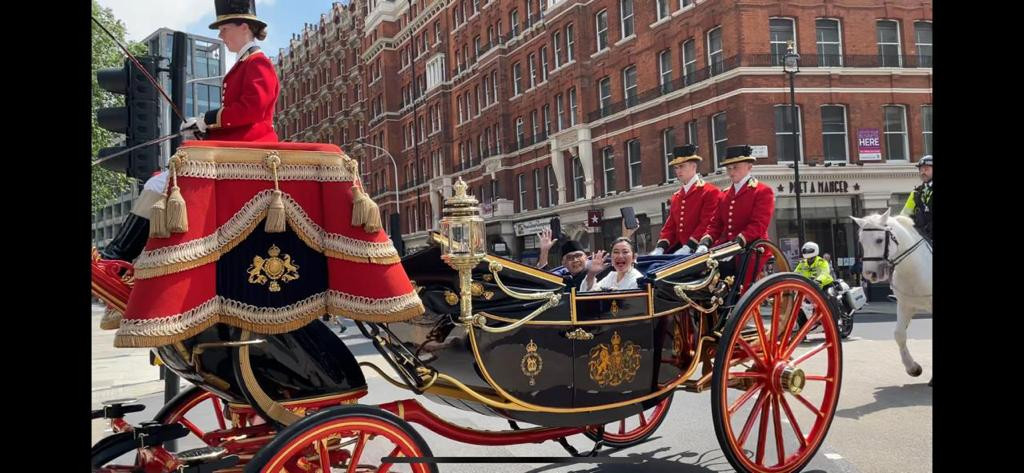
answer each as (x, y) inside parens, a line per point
(579, 334)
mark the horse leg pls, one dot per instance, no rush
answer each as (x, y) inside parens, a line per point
(904, 313)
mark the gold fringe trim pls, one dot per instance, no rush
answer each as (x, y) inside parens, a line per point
(149, 273)
(363, 259)
(258, 155)
(398, 316)
(111, 319)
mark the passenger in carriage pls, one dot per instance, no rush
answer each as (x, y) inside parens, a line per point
(625, 275)
(249, 95)
(574, 259)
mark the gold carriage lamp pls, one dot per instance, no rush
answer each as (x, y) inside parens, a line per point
(464, 246)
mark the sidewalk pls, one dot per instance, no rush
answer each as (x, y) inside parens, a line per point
(119, 373)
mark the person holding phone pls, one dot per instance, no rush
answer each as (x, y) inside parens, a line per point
(692, 205)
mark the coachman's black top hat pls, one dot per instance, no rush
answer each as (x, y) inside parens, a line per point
(682, 154)
(235, 10)
(738, 154)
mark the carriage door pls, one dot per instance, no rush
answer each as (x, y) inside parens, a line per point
(612, 347)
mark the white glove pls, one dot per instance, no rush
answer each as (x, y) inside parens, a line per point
(701, 249)
(685, 250)
(658, 251)
(197, 123)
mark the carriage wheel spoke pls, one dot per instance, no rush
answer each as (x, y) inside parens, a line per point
(643, 420)
(793, 422)
(385, 467)
(800, 336)
(325, 456)
(790, 322)
(357, 453)
(794, 314)
(746, 374)
(814, 377)
(622, 427)
(780, 449)
(811, 353)
(218, 409)
(750, 419)
(759, 324)
(762, 430)
(745, 397)
(809, 405)
(750, 352)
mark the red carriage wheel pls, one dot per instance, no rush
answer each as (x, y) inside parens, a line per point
(633, 430)
(352, 439)
(775, 390)
(188, 406)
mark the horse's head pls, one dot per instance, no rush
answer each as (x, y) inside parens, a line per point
(877, 241)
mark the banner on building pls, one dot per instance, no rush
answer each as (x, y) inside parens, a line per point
(869, 144)
(593, 218)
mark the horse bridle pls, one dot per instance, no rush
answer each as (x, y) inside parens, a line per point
(885, 254)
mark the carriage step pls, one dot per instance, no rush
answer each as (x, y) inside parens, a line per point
(201, 455)
(210, 466)
(117, 409)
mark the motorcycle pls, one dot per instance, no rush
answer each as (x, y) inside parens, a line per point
(847, 301)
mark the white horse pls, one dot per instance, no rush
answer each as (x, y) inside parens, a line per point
(894, 250)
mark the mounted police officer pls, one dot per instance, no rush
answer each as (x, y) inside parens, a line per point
(919, 204)
(692, 205)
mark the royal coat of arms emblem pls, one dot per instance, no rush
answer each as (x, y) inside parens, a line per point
(278, 267)
(615, 365)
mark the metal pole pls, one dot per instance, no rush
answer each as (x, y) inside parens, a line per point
(796, 156)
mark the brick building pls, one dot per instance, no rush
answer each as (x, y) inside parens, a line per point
(559, 107)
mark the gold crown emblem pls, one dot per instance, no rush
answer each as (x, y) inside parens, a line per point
(274, 251)
(531, 347)
(616, 339)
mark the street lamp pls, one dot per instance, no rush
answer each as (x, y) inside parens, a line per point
(791, 65)
(393, 163)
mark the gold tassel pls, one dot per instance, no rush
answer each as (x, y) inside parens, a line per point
(177, 213)
(111, 319)
(276, 218)
(275, 215)
(158, 220)
(365, 211)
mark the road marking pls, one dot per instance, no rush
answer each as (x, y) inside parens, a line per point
(833, 456)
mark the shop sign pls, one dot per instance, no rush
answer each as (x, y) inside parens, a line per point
(822, 187)
(532, 227)
(759, 151)
(869, 144)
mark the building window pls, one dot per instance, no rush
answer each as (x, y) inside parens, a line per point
(833, 131)
(494, 84)
(718, 136)
(556, 41)
(784, 133)
(520, 132)
(629, 85)
(517, 79)
(830, 48)
(543, 64)
(715, 59)
(665, 71)
(437, 32)
(537, 188)
(926, 128)
(513, 18)
(552, 187)
(602, 29)
(572, 106)
(668, 143)
(560, 110)
(633, 155)
(780, 35)
(487, 90)
(604, 91)
(689, 62)
(547, 119)
(578, 189)
(569, 42)
(532, 60)
(522, 192)
(923, 43)
(662, 8)
(896, 145)
(626, 13)
(608, 159)
(534, 126)
(889, 43)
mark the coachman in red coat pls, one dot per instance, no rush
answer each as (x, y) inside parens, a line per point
(692, 207)
(745, 210)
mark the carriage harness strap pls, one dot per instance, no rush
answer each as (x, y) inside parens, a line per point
(900, 257)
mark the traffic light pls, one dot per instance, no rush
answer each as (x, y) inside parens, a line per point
(138, 120)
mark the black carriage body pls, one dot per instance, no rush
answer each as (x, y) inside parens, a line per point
(596, 353)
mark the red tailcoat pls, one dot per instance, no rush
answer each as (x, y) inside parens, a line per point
(745, 214)
(690, 215)
(248, 97)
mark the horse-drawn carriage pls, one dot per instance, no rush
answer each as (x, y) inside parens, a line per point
(455, 325)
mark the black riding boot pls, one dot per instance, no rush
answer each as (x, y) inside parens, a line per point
(129, 241)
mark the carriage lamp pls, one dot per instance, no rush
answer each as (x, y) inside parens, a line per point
(464, 246)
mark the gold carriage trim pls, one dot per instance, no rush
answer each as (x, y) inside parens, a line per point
(202, 154)
(188, 255)
(260, 172)
(175, 328)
